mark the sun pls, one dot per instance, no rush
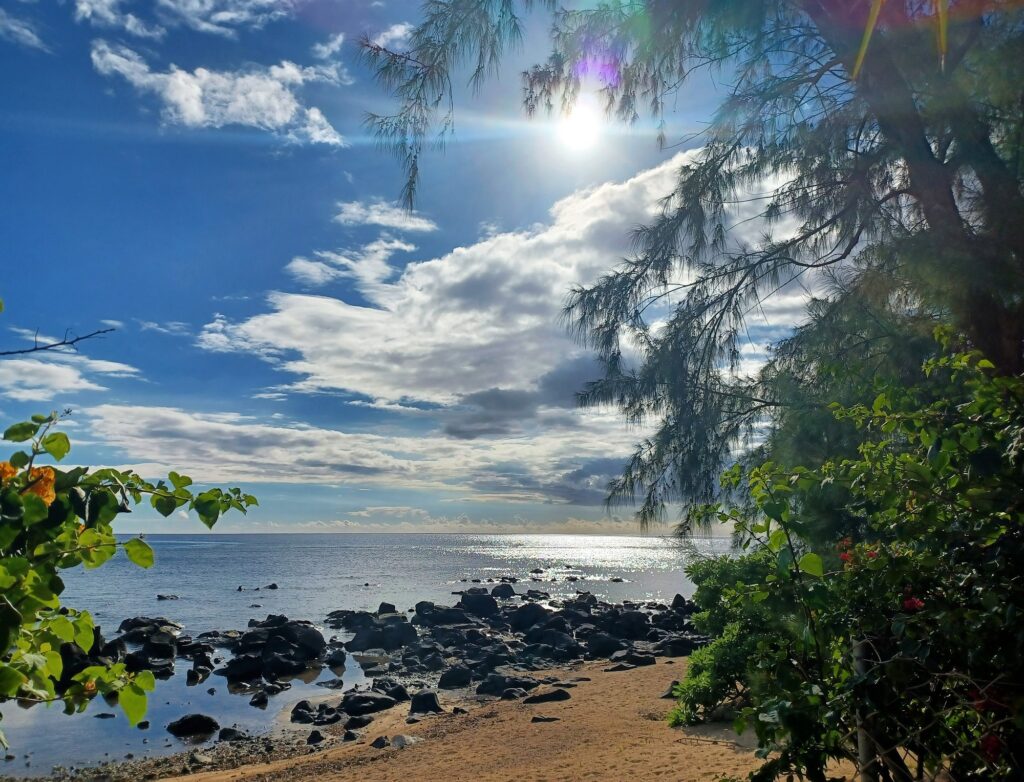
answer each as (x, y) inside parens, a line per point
(580, 130)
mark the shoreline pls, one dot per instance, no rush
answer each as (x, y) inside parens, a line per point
(611, 728)
(503, 641)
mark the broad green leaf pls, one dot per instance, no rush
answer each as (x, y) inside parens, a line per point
(132, 700)
(57, 445)
(85, 631)
(811, 564)
(63, 629)
(20, 432)
(35, 510)
(145, 680)
(179, 481)
(10, 680)
(163, 504)
(139, 552)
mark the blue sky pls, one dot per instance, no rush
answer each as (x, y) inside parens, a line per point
(196, 173)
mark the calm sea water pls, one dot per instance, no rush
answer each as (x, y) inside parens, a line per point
(315, 574)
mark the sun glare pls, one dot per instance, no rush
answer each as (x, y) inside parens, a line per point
(580, 130)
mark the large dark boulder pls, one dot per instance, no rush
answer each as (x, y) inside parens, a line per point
(632, 657)
(357, 703)
(527, 615)
(548, 696)
(680, 645)
(455, 677)
(138, 629)
(633, 625)
(479, 605)
(389, 634)
(503, 591)
(497, 683)
(425, 702)
(242, 668)
(193, 725)
(430, 615)
(601, 644)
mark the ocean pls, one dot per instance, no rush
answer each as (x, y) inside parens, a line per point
(315, 574)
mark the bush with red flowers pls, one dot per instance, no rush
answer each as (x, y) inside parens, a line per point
(909, 636)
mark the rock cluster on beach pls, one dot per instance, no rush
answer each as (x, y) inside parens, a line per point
(487, 644)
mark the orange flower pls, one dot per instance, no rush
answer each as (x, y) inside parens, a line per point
(41, 483)
(7, 471)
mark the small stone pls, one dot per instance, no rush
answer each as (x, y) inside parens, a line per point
(315, 737)
(541, 718)
(380, 742)
(231, 734)
(669, 694)
(349, 735)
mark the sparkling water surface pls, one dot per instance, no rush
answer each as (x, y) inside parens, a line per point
(315, 574)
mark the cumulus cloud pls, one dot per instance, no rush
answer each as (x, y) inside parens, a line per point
(20, 31)
(383, 214)
(481, 317)
(397, 35)
(110, 13)
(261, 98)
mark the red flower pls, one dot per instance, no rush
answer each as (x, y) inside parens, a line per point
(872, 554)
(991, 746)
(846, 556)
(912, 604)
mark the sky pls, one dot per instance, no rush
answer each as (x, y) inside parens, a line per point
(195, 174)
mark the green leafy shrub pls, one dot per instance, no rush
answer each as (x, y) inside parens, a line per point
(52, 520)
(903, 650)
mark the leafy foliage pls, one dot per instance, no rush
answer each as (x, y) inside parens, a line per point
(909, 632)
(52, 520)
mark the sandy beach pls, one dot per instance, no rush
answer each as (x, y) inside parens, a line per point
(613, 728)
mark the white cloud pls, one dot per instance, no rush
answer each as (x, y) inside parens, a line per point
(482, 317)
(261, 98)
(382, 214)
(396, 35)
(49, 375)
(174, 328)
(225, 17)
(368, 266)
(329, 48)
(109, 13)
(20, 31)
(555, 466)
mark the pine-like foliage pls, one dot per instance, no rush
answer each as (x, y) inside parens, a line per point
(895, 197)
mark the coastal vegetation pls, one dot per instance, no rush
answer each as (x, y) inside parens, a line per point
(52, 520)
(872, 465)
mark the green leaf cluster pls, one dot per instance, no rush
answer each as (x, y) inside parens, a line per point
(909, 630)
(52, 520)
